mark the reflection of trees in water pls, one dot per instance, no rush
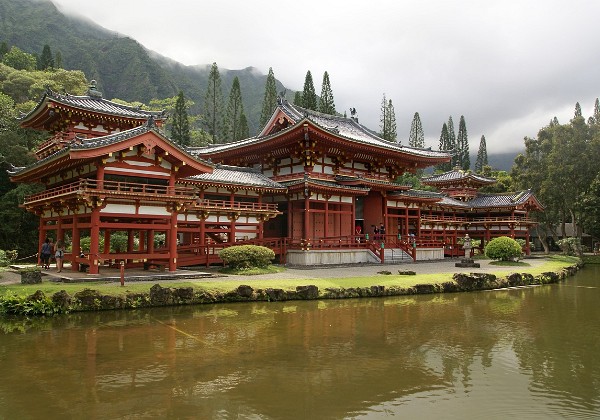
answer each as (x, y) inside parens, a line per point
(319, 358)
(562, 342)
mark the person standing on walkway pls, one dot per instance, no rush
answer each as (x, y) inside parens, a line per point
(59, 253)
(45, 253)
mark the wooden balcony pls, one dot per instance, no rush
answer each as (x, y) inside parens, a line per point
(91, 187)
(508, 219)
(235, 206)
(87, 188)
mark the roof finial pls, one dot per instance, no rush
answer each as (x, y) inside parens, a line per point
(93, 92)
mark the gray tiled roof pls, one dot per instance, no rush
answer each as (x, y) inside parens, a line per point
(95, 104)
(500, 200)
(418, 193)
(455, 175)
(324, 183)
(97, 142)
(237, 176)
(339, 126)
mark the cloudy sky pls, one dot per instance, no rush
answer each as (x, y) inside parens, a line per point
(508, 66)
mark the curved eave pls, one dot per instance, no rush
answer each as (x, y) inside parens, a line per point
(189, 164)
(39, 115)
(57, 162)
(291, 134)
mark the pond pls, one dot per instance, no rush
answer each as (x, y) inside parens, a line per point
(528, 352)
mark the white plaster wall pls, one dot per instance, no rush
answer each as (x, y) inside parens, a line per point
(329, 257)
(158, 211)
(119, 208)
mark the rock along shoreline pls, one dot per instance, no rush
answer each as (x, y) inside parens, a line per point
(93, 300)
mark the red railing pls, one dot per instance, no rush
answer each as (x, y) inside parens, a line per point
(115, 188)
(485, 219)
(234, 205)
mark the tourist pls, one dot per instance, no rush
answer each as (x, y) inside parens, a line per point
(59, 254)
(45, 253)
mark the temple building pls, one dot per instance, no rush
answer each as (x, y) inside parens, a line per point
(315, 188)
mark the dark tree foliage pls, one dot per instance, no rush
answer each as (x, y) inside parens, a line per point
(388, 120)
(444, 146)
(462, 144)
(235, 110)
(452, 142)
(298, 99)
(577, 110)
(180, 125)
(46, 61)
(482, 157)
(19, 60)
(213, 104)
(326, 102)
(560, 166)
(58, 62)
(3, 49)
(243, 127)
(270, 99)
(416, 137)
(309, 96)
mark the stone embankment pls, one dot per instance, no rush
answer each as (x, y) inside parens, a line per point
(93, 300)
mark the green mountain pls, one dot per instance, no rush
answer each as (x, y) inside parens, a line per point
(122, 67)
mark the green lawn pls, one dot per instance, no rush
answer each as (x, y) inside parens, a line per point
(553, 263)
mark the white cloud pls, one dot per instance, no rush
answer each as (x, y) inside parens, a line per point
(507, 66)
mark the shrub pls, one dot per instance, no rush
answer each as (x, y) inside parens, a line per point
(247, 256)
(7, 257)
(570, 246)
(503, 248)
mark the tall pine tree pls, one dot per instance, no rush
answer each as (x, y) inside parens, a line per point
(309, 96)
(270, 99)
(180, 125)
(416, 137)
(445, 146)
(326, 103)
(388, 120)
(462, 145)
(482, 158)
(213, 104)
(452, 142)
(46, 59)
(298, 99)
(235, 110)
(577, 110)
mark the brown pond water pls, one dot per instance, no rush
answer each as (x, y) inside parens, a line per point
(527, 353)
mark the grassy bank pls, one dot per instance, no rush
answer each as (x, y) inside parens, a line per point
(552, 264)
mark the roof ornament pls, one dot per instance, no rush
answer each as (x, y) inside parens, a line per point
(93, 92)
(150, 122)
(353, 115)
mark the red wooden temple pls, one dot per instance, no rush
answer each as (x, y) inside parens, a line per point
(312, 187)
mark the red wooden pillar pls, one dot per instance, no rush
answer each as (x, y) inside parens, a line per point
(290, 211)
(306, 217)
(150, 247)
(76, 245)
(41, 238)
(94, 239)
(261, 221)
(106, 249)
(59, 229)
(173, 241)
(142, 245)
(326, 227)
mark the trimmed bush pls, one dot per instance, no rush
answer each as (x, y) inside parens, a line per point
(503, 249)
(247, 256)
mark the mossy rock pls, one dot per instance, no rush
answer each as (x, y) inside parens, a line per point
(31, 275)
